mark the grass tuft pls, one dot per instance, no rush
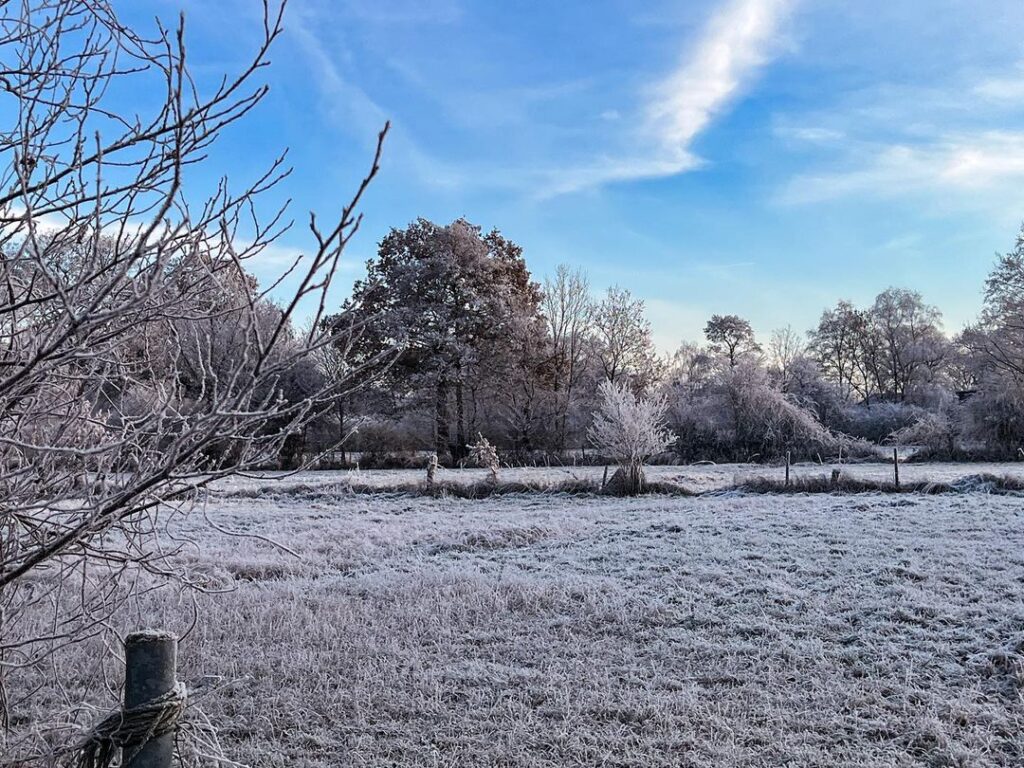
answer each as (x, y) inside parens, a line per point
(845, 484)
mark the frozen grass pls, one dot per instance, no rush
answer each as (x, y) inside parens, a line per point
(845, 483)
(692, 479)
(551, 631)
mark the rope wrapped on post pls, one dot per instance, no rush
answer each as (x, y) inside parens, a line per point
(131, 729)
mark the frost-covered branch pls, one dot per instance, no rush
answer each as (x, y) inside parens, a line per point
(138, 359)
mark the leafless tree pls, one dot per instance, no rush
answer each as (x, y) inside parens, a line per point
(784, 348)
(138, 361)
(911, 348)
(335, 361)
(568, 309)
(622, 340)
(837, 344)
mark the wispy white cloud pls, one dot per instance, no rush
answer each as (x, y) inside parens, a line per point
(956, 142)
(652, 139)
(343, 100)
(810, 134)
(1003, 89)
(735, 44)
(608, 169)
(967, 163)
(350, 108)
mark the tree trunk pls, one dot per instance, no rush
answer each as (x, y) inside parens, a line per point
(474, 402)
(442, 429)
(341, 430)
(460, 414)
(564, 418)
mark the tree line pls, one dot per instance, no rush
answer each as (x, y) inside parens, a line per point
(481, 348)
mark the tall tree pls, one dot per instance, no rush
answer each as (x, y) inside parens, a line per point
(908, 346)
(785, 347)
(690, 369)
(568, 310)
(994, 356)
(836, 345)
(622, 340)
(894, 349)
(997, 341)
(732, 336)
(456, 302)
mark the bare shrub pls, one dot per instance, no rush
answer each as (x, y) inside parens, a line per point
(138, 359)
(935, 433)
(483, 454)
(629, 429)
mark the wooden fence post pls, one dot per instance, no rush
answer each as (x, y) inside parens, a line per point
(896, 466)
(151, 660)
(787, 469)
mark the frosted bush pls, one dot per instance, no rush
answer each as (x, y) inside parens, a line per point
(933, 432)
(483, 454)
(630, 430)
(740, 414)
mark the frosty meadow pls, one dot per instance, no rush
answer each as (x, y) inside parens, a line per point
(462, 507)
(550, 630)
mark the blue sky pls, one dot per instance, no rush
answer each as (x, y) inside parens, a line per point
(758, 157)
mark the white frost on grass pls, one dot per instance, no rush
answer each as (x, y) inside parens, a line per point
(539, 631)
(698, 478)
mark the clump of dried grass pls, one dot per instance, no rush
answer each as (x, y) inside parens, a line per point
(849, 484)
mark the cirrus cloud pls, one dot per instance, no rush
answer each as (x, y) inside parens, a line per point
(735, 44)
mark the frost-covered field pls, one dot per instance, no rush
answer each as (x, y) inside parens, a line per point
(544, 630)
(695, 477)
